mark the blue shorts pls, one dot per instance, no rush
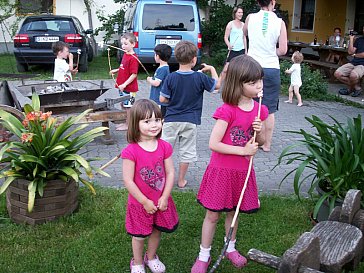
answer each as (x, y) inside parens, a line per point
(271, 88)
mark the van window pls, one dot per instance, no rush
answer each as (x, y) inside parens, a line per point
(168, 17)
(128, 17)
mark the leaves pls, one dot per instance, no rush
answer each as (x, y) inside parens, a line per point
(334, 156)
(45, 150)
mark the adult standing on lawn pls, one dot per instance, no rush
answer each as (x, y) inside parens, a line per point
(351, 73)
(264, 30)
(234, 38)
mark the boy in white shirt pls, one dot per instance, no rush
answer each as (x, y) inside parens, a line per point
(296, 82)
(63, 71)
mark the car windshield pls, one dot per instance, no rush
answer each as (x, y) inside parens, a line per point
(49, 25)
(168, 17)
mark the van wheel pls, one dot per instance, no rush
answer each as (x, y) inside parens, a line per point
(21, 67)
(83, 65)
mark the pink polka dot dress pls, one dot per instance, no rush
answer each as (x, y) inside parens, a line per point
(150, 178)
(225, 175)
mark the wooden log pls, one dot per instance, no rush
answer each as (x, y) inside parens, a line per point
(273, 261)
(350, 206)
(305, 252)
(340, 243)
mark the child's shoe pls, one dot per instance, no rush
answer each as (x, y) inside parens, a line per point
(138, 268)
(155, 265)
(200, 266)
(236, 259)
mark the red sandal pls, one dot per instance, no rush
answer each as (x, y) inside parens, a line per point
(238, 260)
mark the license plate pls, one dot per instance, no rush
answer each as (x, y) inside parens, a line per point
(169, 42)
(47, 39)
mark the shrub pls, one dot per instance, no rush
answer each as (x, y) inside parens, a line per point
(313, 84)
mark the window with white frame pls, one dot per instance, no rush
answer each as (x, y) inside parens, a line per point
(303, 15)
(35, 6)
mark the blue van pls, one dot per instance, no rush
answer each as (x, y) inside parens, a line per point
(162, 22)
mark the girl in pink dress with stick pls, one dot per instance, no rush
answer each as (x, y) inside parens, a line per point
(148, 175)
(232, 146)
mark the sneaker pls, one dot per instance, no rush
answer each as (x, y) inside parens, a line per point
(344, 91)
(127, 104)
(200, 266)
(238, 260)
(155, 265)
(356, 93)
(136, 268)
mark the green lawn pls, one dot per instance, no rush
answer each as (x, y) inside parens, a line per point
(98, 69)
(94, 239)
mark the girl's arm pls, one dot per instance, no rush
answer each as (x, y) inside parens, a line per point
(217, 145)
(227, 34)
(259, 127)
(128, 177)
(169, 169)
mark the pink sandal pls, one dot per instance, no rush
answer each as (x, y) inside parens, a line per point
(236, 259)
(136, 268)
(155, 265)
(200, 266)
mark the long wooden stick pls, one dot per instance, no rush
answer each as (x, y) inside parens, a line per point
(228, 238)
(135, 57)
(110, 162)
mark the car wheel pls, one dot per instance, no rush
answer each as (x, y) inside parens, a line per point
(21, 67)
(83, 66)
(90, 54)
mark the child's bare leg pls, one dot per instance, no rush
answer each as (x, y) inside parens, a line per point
(298, 95)
(228, 221)
(137, 244)
(290, 94)
(153, 243)
(209, 227)
(183, 167)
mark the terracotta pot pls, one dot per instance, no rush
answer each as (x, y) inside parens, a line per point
(59, 199)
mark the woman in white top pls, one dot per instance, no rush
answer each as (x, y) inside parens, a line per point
(265, 30)
(234, 38)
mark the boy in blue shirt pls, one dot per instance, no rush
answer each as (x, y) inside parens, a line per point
(162, 53)
(183, 91)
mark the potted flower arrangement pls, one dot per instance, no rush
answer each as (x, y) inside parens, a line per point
(44, 155)
(333, 156)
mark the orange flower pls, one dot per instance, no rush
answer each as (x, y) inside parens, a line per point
(25, 122)
(27, 137)
(31, 116)
(45, 116)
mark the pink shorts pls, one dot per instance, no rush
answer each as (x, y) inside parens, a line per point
(139, 223)
(346, 69)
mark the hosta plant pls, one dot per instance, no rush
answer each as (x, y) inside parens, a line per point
(333, 157)
(44, 150)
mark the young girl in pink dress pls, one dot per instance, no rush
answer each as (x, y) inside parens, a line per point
(148, 175)
(232, 146)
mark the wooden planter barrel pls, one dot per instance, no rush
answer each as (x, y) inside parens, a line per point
(59, 199)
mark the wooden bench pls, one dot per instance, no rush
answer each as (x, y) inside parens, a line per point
(331, 245)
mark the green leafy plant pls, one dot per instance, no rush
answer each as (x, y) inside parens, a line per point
(334, 156)
(44, 150)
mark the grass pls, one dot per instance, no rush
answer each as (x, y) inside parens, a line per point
(98, 69)
(94, 238)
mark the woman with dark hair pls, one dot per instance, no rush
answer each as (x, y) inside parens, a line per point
(264, 30)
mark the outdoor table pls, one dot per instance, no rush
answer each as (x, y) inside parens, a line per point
(324, 51)
(296, 46)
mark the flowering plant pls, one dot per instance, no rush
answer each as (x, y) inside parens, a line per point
(44, 150)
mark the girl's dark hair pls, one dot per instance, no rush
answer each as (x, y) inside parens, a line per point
(264, 3)
(142, 109)
(242, 69)
(235, 10)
